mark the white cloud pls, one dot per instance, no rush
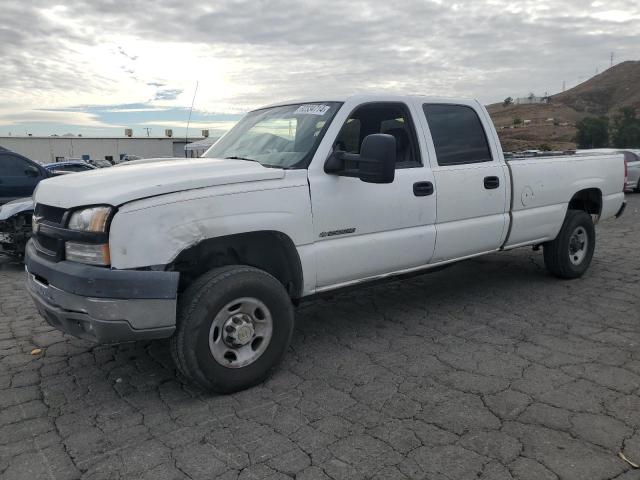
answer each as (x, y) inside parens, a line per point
(248, 53)
(52, 116)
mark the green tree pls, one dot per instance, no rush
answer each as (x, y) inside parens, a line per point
(593, 132)
(625, 131)
(517, 121)
(507, 101)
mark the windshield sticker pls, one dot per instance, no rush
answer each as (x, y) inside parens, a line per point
(311, 109)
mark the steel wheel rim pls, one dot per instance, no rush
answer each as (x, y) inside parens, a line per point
(578, 245)
(240, 332)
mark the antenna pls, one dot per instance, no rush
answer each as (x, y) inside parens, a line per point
(186, 135)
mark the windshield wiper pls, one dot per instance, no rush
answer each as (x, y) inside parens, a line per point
(241, 158)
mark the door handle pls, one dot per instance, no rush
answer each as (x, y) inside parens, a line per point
(491, 183)
(422, 189)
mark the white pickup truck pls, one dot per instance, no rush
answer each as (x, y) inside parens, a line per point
(298, 199)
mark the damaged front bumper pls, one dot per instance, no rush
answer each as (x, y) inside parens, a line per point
(100, 304)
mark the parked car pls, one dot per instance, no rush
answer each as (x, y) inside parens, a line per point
(128, 158)
(15, 226)
(297, 200)
(18, 176)
(73, 166)
(100, 163)
(633, 170)
(632, 160)
(15, 215)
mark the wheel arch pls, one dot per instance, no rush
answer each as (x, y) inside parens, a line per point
(588, 200)
(268, 250)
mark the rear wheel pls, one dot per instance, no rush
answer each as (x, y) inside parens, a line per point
(570, 254)
(234, 324)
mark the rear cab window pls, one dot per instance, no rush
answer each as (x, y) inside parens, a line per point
(458, 135)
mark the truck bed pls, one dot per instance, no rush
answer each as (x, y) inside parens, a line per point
(542, 187)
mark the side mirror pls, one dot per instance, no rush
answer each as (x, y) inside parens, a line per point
(376, 162)
(31, 171)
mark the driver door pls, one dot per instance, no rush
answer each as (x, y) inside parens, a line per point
(367, 230)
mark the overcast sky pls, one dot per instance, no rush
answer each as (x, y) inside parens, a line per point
(97, 67)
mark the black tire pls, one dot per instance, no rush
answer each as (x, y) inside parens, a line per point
(199, 305)
(557, 253)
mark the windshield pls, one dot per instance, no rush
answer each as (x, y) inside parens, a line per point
(284, 137)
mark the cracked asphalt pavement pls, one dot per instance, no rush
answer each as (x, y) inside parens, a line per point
(490, 369)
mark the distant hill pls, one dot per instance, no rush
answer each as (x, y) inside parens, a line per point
(553, 124)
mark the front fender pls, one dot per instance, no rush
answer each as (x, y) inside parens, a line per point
(15, 207)
(155, 235)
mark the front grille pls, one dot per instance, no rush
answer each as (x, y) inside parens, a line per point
(49, 247)
(49, 213)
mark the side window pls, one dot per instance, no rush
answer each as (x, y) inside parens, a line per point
(11, 166)
(457, 133)
(390, 118)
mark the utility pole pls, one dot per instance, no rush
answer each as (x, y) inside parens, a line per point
(147, 129)
(564, 85)
(611, 60)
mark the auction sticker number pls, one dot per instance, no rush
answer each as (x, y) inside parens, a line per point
(312, 109)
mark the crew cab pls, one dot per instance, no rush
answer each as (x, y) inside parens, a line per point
(298, 199)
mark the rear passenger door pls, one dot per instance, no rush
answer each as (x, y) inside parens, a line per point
(471, 182)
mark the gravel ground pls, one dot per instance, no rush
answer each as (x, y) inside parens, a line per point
(490, 369)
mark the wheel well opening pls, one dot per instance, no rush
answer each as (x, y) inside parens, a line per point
(588, 200)
(271, 251)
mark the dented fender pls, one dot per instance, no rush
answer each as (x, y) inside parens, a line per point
(15, 207)
(153, 231)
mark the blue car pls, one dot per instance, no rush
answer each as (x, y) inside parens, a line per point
(18, 176)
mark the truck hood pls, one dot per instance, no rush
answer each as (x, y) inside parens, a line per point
(124, 183)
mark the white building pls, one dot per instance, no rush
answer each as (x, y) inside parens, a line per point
(56, 149)
(196, 149)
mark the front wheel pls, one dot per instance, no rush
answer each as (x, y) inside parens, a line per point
(234, 324)
(570, 254)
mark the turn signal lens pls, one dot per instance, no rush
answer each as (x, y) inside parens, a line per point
(91, 254)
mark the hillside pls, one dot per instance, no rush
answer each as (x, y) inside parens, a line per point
(553, 123)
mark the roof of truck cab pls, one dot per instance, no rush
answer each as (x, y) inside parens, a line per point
(370, 97)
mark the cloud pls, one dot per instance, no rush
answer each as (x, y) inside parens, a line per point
(168, 94)
(248, 53)
(52, 117)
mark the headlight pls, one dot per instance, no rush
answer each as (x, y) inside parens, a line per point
(92, 254)
(93, 219)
